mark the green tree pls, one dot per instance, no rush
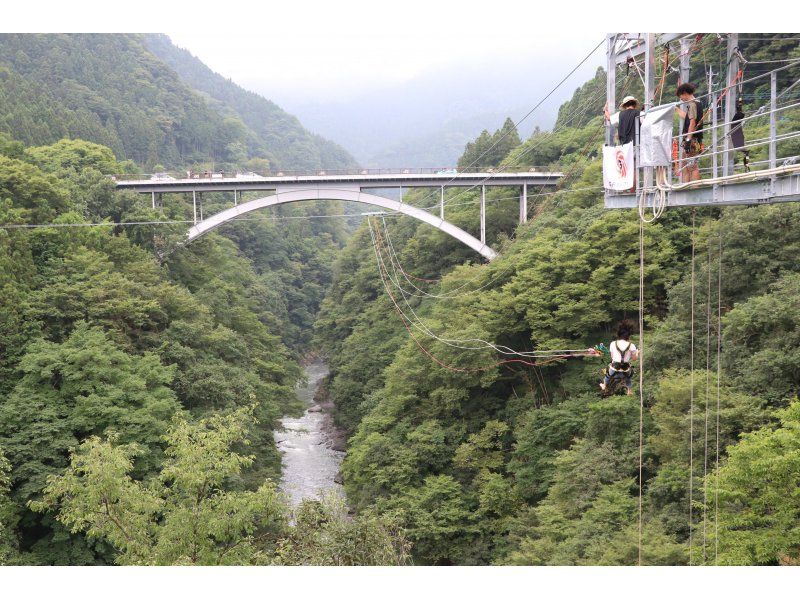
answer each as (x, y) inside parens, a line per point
(8, 546)
(79, 388)
(436, 518)
(74, 154)
(184, 515)
(324, 534)
(758, 498)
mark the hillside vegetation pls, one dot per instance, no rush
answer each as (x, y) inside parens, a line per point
(148, 101)
(485, 460)
(140, 382)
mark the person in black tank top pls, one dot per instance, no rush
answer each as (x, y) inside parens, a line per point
(692, 133)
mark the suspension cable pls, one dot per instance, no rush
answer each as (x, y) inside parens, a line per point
(417, 322)
(426, 351)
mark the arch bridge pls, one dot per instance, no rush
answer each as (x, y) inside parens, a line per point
(359, 187)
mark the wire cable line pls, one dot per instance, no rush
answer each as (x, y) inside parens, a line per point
(477, 344)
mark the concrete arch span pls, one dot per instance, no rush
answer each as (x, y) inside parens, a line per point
(294, 195)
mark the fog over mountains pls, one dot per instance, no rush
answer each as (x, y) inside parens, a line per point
(428, 120)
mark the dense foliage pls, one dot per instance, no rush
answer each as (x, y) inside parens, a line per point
(127, 359)
(487, 462)
(140, 381)
(120, 90)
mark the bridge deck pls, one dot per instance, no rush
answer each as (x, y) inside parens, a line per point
(361, 181)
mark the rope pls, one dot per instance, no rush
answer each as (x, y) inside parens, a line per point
(660, 87)
(691, 400)
(719, 377)
(636, 64)
(761, 112)
(641, 377)
(708, 382)
(417, 322)
(422, 347)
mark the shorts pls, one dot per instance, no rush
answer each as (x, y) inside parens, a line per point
(626, 377)
(692, 152)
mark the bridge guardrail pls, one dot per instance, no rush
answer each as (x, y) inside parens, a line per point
(244, 176)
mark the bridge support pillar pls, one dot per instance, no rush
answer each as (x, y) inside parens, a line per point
(483, 214)
(153, 199)
(523, 204)
(441, 204)
(235, 198)
(194, 206)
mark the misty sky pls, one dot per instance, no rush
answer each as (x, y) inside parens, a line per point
(399, 83)
(291, 66)
(409, 96)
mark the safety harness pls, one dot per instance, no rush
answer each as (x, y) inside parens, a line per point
(624, 365)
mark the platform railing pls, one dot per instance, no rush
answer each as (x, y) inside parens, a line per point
(777, 146)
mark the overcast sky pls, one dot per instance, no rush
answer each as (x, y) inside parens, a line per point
(370, 82)
(288, 65)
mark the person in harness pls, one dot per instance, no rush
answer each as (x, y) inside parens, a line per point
(622, 352)
(692, 133)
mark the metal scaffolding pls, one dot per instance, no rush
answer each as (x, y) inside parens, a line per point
(776, 179)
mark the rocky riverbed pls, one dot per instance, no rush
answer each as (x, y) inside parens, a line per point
(311, 447)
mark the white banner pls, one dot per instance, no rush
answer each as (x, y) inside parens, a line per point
(618, 167)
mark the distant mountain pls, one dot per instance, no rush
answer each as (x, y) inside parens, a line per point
(427, 121)
(275, 131)
(441, 147)
(112, 89)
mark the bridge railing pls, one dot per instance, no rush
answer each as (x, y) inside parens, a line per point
(244, 176)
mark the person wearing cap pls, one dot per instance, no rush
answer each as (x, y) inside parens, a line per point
(625, 120)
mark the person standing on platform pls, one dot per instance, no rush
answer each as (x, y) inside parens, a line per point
(625, 120)
(692, 133)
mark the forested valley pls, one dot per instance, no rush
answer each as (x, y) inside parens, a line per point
(484, 460)
(140, 384)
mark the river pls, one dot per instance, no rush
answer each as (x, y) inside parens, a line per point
(310, 463)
